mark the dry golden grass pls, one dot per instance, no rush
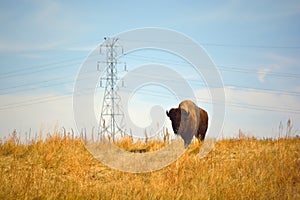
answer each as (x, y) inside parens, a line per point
(61, 168)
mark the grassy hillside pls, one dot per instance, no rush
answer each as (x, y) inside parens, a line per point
(61, 168)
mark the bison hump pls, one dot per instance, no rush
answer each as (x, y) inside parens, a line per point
(187, 105)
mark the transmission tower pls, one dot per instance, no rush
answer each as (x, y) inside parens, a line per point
(112, 115)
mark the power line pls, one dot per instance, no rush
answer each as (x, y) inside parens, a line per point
(71, 82)
(39, 68)
(231, 104)
(47, 67)
(290, 110)
(201, 83)
(228, 45)
(255, 46)
(194, 82)
(220, 67)
(40, 100)
(32, 84)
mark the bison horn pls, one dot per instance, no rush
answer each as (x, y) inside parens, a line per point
(167, 112)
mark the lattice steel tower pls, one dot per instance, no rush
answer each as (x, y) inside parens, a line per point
(112, 115)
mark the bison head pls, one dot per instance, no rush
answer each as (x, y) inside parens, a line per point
(175, 115)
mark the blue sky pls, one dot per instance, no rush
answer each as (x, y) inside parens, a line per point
(255, 45)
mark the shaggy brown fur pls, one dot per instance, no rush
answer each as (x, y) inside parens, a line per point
(189, 120)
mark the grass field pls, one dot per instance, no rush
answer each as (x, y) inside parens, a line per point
(59, 167)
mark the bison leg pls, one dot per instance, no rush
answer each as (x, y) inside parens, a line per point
(199, 138)
(201, 132)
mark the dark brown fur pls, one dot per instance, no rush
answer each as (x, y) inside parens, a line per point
(189, 120)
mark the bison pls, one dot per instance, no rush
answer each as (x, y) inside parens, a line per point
(188, 120)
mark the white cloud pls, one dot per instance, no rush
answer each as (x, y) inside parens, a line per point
(262, 74)
(256, 111)
(263, 99)
(283, 61)
(41, 115)
(298, 89)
